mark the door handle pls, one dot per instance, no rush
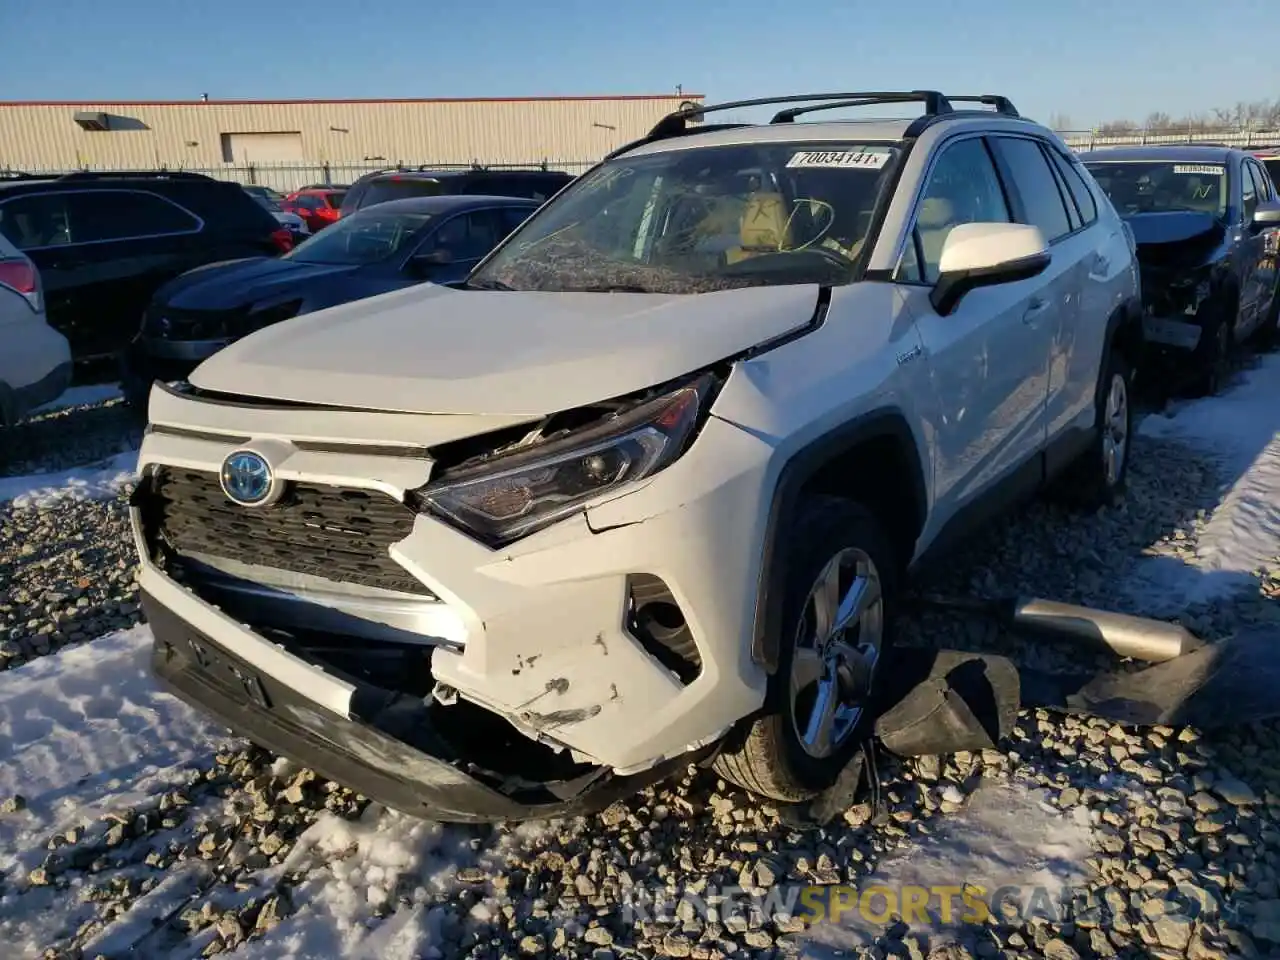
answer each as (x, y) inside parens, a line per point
(1035, 310)
(1101, 264)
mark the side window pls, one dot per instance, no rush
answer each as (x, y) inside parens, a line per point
(1260, 182)
(963, 188)
(1073, 213)
(512, 217)
(120, 215)
(1035, 185)
(36, 220)
(1077, 186)
(1248, 193)
(468, 236)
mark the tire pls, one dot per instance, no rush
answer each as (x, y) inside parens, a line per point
(1212, 357)
(767, 754)
(1097, 479)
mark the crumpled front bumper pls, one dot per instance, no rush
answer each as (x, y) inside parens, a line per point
(360, 751)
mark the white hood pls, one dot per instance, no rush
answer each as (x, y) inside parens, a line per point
(433, 349)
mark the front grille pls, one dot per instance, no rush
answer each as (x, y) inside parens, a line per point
(338, 533)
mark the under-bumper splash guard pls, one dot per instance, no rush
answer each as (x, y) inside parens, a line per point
(944, 701)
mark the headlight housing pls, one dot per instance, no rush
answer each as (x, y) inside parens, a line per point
(518, 493)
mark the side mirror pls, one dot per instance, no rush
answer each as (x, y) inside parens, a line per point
(1267, 215)
(425, 264)
(986, 254)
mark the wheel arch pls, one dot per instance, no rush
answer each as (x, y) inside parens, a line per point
(1124, 329)
(823, 465)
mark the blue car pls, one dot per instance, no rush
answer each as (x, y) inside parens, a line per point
(376, 250)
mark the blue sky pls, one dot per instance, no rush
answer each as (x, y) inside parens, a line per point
(1087, 60)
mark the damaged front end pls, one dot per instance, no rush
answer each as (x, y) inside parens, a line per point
(296, 625)
(1180, 257)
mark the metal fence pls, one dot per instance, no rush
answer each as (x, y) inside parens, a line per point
(1250, 139)
(286, 177)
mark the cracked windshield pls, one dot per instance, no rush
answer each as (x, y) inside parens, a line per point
(693, 221)
(1163, 187)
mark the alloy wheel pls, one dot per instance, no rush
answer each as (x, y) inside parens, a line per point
(1115, 435)
(837, 648)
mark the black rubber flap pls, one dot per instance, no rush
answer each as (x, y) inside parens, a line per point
(1221, 684)
(949, 701)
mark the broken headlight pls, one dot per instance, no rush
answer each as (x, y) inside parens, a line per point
(514, 494)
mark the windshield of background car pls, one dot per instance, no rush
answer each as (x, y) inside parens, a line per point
(695, 220)
(362, 238)
(379, 191)
(1163, 186)
(1273, 167)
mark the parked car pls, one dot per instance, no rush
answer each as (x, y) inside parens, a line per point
(35, 360)
(381, 186)
(643, 489)
(104, 243)
(296, 226)
(1270, 160)
(394, 245)
(318, 206)
(1205, 219)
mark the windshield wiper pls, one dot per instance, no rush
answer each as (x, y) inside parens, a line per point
(612, 288)
(485, 283)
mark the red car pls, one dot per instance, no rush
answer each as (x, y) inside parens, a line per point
(317, 206)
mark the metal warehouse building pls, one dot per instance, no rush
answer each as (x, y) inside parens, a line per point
(276, 141)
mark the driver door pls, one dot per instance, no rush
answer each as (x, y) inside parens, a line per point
(989, 359)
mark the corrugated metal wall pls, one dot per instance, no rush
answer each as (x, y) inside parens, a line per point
(190, 135)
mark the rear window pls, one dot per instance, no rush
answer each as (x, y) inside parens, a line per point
(380, 191)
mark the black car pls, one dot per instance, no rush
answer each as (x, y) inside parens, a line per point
(105, 242)
(1206, 221)
(380, 249)
(396, 184)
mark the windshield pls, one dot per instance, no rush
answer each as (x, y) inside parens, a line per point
(689, 221)
(380, 191)
(362, 238)
(1163, 186)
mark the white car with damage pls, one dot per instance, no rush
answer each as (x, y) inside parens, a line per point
(643, 489)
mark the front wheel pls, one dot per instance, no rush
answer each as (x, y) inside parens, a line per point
(1269, 332)
(1213, 355)
(836, 632)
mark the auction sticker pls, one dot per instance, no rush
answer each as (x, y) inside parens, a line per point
(866, 159)
(1205, 168)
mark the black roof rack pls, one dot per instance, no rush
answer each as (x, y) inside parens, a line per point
(936, 105)
(134, 175)
(1003, 105)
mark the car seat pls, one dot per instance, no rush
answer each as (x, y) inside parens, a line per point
(936, 218)
(765, 227)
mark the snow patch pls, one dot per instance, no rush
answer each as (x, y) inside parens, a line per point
(83, 731)
(1240, 430)
(1006, 839)
(93, 482)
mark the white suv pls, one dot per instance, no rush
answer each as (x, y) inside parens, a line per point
(35, 359)
(643, 488)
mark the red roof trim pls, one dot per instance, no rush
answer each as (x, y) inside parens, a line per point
(241, 103)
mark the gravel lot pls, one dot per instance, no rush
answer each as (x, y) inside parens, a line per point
(226, 860)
